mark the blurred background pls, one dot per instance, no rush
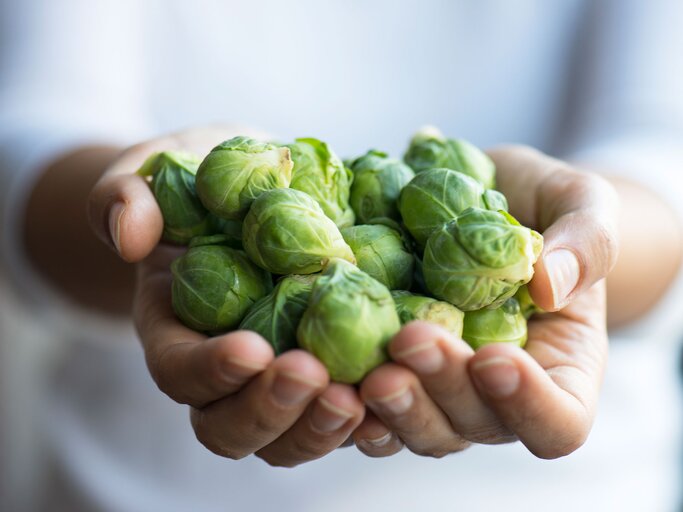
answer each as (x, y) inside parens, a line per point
(83, 427)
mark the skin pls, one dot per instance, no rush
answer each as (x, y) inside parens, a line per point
(436, 396)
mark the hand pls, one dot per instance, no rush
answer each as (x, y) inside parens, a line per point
(243, 400)
(438, 395)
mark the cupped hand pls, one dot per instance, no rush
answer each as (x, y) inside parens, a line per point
(243, 400)
(438, 395)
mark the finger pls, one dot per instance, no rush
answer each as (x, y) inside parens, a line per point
(440, 362)
(124, 215)
(374, 439)
(577, 213)
(396, 396)
(326, 424)
(187, 366)
(264, 409)
(547, 395)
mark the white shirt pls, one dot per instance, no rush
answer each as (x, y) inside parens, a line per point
(589, 81)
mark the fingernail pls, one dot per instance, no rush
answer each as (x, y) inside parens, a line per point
(290, 389)
(115, 215)
(425, 358)
(327, 417)
(396, 403)
(563, 271)
(498, 376)
(380, 441)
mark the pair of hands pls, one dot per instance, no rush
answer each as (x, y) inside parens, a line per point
(437, 395)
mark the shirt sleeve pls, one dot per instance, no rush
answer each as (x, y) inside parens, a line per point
(71, 74)
(627, 111)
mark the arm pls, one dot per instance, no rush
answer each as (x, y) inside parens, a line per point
(651, 242)
(61, 246)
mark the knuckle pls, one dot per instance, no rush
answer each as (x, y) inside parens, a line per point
(264, 424)
(607, 244)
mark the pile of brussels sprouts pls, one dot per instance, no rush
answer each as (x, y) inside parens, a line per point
(333, 257)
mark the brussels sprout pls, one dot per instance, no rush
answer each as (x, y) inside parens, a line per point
(437, 196)
(416, 307)
(505, 324)
(429, 148)
(320, 173)
(215, 285)
(381, 254)
(349, 321)
(377, 182)
(173, 184)
(237, 171)
(526, 303)
(480, 259)
(286, 232)
(277, 315)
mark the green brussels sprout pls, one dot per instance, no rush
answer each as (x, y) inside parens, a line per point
(173, 184)
(287, 232)
(349, 321)
(437, 196)
(320, 173)
(214, 286)
(505, 324)
(429, 148)
(237, 171)
(480, 259)
(377, 182)
(381, 254)
(276, 316)
(526, 303)
(416, 307)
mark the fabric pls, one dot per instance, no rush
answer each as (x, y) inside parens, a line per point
(587, 81)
